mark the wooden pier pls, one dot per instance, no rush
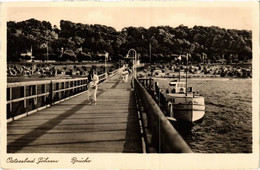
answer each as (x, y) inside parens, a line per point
(75, 126)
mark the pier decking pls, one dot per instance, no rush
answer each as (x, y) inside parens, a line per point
(75, 126)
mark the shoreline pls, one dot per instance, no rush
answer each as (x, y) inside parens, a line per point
(204, 77)
(199, 77)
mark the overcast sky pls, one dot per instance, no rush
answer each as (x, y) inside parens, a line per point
(120, 17)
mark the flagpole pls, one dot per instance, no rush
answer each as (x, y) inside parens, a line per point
(179, 58)
(187, 73)
(47, 55)
(106, 56)
(150, 58)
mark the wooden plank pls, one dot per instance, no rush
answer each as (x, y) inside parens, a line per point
(107, 147)
(81, 121)
(79, 128)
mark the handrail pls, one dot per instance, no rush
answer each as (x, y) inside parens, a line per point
(164, 135)
(27, 83)
(113, 72)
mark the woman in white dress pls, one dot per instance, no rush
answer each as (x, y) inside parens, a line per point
(92, 89)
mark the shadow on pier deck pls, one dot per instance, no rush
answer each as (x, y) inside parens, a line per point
(74, 126)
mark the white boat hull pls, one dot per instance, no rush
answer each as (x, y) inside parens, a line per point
(186, 108)
(189, 113)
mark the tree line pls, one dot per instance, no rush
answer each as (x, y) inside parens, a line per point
(77, 41)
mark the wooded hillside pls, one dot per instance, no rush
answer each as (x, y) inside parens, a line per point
(76, 41)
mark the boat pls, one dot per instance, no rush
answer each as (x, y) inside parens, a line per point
(183, 104)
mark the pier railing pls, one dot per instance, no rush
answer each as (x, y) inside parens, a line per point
(147, 83)
(156, 92)
(159, 132)
(24, 98)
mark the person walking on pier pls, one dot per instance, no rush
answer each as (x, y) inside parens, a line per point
(92, 89)
(125, 75)
(90, 75)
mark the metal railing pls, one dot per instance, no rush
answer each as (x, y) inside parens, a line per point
(148, 83)
(158, 130)
(24, 98)
(111, 74)
(156, 92)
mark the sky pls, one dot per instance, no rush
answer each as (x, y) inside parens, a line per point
(120, 17)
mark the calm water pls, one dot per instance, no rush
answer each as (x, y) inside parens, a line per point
(227, 124)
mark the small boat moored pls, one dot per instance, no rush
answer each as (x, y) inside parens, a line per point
(183, 104)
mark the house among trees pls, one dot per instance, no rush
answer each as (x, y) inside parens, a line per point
(68, 55)
(26, 56)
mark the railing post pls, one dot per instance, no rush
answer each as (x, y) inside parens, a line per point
(11, 110)
(150, 83)
(58, 88)
(36, 99)
(73, 84)
(63, 87)
(69, 91)
(76, 89)
(62, 92)
(24, 95)
(65, 92)
(30, 100)
(51, 92)
(78, 85)
(45, 90)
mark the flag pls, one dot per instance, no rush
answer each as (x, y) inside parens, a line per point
(106, 55)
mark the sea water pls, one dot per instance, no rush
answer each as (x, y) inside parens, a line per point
(227, 124)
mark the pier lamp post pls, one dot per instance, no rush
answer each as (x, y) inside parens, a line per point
(48, 38)
(134, 60)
